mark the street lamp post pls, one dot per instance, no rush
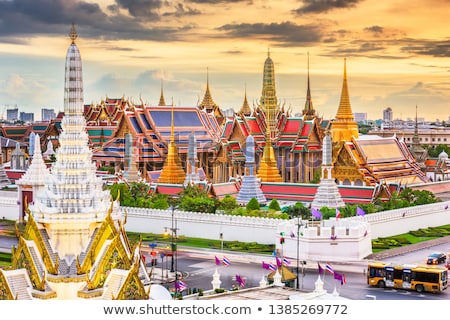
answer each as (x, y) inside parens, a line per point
(173, 245)
(299, 224)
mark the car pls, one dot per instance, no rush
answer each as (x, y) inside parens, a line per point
(436, 258)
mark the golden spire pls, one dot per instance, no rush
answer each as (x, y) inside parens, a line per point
(208, 103)
(245, 109)
(268, 170)
(344, 127)
(268, 100)
(345, 110)
(308, 111)
(162, 102)
(172, 171)
(73, 33)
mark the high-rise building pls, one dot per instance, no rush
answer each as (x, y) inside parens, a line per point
(360, 116)
(47, 114)
(387, 114)
(26, 117)
(12, 114)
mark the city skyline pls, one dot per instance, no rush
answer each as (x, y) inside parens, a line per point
(394, 59)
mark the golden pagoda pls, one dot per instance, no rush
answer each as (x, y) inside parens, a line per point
(268, 100)
(268, 170)
(172, 171)
(344, 127)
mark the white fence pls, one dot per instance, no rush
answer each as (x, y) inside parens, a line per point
(254, 229)
(398, 221)
(202, 225)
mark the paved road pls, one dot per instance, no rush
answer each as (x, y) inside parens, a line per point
(410, 248)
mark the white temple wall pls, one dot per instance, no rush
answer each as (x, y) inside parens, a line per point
(202, 225)
(9, 209)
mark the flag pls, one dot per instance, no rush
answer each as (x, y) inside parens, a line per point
(320, 268)
(180, 285)
(340, 277)
(272, 267)
(217, 261)
(360, 212)
(265, 265)
(226, 261)
(240, 281)
(279, 264)
(329, 268)
(316, 213)
(286, 261)
(338, 214)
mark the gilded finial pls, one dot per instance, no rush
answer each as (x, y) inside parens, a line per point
(73, 33)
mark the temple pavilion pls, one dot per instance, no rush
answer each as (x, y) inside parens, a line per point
(74, 244)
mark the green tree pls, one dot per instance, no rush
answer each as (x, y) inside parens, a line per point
(274, 205)
(228, 204)
(253, 204)
(298, 209)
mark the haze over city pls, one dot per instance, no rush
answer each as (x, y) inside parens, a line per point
(397, 52)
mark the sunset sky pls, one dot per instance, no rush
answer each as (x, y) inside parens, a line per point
(397, 52)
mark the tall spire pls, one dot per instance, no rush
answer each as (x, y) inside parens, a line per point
(172, 171)
(345, 110)
(245, 109)
(308, 111)
(344, 127)
(162, 102)
(268, 100)
(73, 197)
(73, 88)
(208, 103)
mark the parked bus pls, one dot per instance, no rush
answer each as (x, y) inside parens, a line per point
(421, 278)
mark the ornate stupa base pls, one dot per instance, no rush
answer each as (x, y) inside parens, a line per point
(251, 188)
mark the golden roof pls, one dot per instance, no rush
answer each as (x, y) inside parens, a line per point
(208, 103)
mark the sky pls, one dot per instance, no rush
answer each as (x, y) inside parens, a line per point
(397, 53)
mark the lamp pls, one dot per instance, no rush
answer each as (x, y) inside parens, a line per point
(299, 225)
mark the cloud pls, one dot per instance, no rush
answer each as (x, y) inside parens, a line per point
(374, 29)
(285, 33)
(141, 8)
(322, 6)
(181, 11)
(21, 18)
(428, 47)
(220, 1)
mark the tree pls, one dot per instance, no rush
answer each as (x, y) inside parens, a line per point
(253, 204)
(228, 204)
(274, 205)
(298, 209)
